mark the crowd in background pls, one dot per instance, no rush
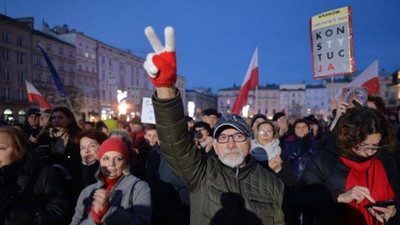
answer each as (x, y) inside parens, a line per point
(57, 170)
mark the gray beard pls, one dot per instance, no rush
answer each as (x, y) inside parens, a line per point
(232, 161)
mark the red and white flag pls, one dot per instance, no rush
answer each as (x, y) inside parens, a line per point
(250, 81)
(35, 96)
(368, 79)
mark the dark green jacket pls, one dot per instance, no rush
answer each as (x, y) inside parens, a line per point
(245, 194)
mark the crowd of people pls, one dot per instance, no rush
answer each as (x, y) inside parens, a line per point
(220, 169)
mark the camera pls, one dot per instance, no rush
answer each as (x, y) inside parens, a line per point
(198, 135)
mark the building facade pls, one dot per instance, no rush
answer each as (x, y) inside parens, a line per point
(15, 67)
(200, 98)
(86, 70)
(315, 100)
(63, 57)
(292, 99)
(267, 101)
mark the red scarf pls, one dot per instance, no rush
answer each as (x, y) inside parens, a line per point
(108, 185)
(370, 174)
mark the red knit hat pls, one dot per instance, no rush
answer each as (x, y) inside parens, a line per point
(114, 144)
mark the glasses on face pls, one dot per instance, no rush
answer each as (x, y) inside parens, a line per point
(238, 137)
(365, 147)
(266, 132)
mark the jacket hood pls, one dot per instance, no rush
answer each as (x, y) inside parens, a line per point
(111, 124)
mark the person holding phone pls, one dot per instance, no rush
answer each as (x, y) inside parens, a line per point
(347, 182)
(202, 137)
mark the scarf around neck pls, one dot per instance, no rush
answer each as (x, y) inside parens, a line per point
(272, 148)
(61, 134)
(370, 174)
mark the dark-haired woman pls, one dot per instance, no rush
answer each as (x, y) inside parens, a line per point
(59, 143)
(300, 146)
(353, 171)
(84, 172)
(29, 192)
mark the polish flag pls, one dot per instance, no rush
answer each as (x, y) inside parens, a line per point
(35, 96)
(250, 81)
(368, 79)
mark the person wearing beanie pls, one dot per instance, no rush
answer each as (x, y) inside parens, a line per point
(118, 197)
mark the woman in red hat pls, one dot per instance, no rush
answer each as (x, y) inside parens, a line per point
(118, 197)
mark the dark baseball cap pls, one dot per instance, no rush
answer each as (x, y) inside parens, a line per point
(233, 121)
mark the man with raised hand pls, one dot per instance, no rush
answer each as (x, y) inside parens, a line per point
(232, 184)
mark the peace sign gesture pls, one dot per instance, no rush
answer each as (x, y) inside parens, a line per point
(161, 65)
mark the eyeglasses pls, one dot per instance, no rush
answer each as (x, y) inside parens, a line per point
(365, 147)
(238, 137)
(266, 131)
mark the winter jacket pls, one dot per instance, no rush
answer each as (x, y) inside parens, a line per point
(299, 151)
(83, 176)
(170, 197)
(219, 194)
(325, 178)
(32, 194)
(130, 203)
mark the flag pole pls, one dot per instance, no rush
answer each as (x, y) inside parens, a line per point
(256, 104)
(333, 90)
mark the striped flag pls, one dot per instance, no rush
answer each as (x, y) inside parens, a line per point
(35, 96)
(53, 72)
(368, 79)
(250, 81)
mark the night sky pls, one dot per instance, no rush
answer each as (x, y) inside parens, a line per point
(215, 39)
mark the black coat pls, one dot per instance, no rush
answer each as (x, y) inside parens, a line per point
(32, 194)
(324, 178)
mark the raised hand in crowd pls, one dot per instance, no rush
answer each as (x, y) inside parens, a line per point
(161, 65)
(275, 163)
(341, 109)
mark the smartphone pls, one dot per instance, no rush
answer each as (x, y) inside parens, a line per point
(355, 94)
(381, 204)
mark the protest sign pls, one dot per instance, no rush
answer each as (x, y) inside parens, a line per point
(332, 43)
(148, 111)
(359, 94)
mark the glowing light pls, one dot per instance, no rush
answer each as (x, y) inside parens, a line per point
(191, 107)
(245, 111)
